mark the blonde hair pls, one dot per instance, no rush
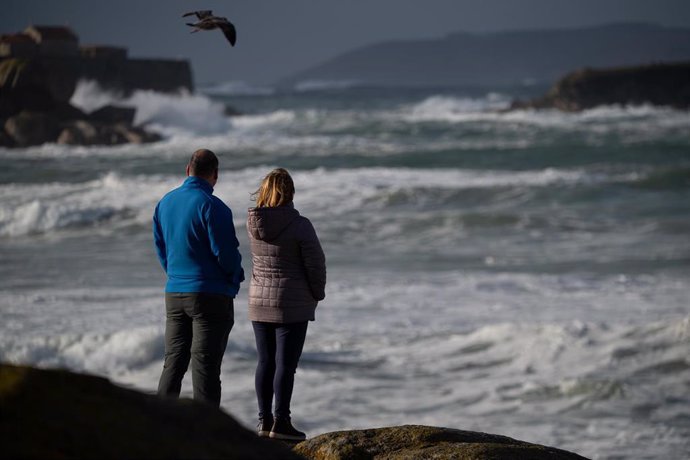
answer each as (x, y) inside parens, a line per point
(277, 189)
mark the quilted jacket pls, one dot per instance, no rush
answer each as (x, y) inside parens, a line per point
(288, 266)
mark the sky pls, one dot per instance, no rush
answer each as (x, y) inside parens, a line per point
(279, 37)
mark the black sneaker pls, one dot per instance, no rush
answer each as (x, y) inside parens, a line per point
(264, 427)
(283, 429)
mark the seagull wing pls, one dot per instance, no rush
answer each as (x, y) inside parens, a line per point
(229, 31)
(199, 14)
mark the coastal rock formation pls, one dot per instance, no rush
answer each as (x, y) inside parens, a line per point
(58, 48)
(58, 414)
(35, 109)
(39, 71)
(658, 84)
(411, 442)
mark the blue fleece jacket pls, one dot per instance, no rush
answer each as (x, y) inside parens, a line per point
(195, 240)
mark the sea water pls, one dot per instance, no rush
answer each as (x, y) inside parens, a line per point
(522, 273)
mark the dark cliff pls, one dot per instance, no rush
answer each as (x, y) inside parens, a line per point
(659, 84)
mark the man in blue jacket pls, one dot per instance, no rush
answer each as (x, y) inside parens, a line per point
(197, 247)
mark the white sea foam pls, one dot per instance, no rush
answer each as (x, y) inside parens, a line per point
(27, 209)
(167, 113)
(471, 350)
(236, 88)
(488, 109)
(324, 85)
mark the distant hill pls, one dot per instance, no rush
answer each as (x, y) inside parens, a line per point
(501, 58)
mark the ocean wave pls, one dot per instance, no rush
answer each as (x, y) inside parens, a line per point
(324, 85)
(27, 209)
(107, 354)
(491, 109)
(236, 88)
(115, 200)
(166, 113)
(448, 108)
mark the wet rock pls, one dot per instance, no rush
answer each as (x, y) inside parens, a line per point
(5, 139)
(67, 112)
(137, 135)
(32, 128)
(113, 114)
(230, 111)
(81, 132)
(424, 442)
(658, 84)
(50, 414)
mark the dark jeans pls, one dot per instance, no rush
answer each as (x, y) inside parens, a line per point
(197, 327)
(279, 347)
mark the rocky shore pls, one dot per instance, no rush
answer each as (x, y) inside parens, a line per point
(657, 84)
(59, 414)
(39, 70)
(35, 109)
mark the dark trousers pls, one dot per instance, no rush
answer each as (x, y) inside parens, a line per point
(197, 327)
(279, 347)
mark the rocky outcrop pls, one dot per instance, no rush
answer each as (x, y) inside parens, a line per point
(413, 442)
(35, 109)
(58, 48)
(39, 71)
(50, 414)
(46, 414)
(659, 84)
(83, 132)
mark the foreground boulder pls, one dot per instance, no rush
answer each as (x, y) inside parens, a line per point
(424, 442)
(658, 84)
(47, 414)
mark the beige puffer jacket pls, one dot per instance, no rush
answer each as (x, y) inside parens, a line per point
(288, 266)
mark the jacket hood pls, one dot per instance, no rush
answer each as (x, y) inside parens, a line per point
(267, 224)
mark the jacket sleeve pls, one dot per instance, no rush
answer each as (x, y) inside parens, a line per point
(159, 241)
(224, 244)
(314, 260)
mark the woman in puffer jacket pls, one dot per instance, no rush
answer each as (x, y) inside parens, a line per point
(288, 280)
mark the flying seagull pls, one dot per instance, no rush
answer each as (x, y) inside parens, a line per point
(207, 21)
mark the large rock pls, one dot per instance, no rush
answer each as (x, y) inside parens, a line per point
(137, 135)
(51, 414)
(412, 442)
(658, 84)
(83, 132)
(5, 139)
(24, 86)
(32, 128)
(114, 114)
(39, 83)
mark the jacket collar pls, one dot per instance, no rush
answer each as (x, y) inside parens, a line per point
(194, 181)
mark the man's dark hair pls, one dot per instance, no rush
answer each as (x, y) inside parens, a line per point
(203, 163)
